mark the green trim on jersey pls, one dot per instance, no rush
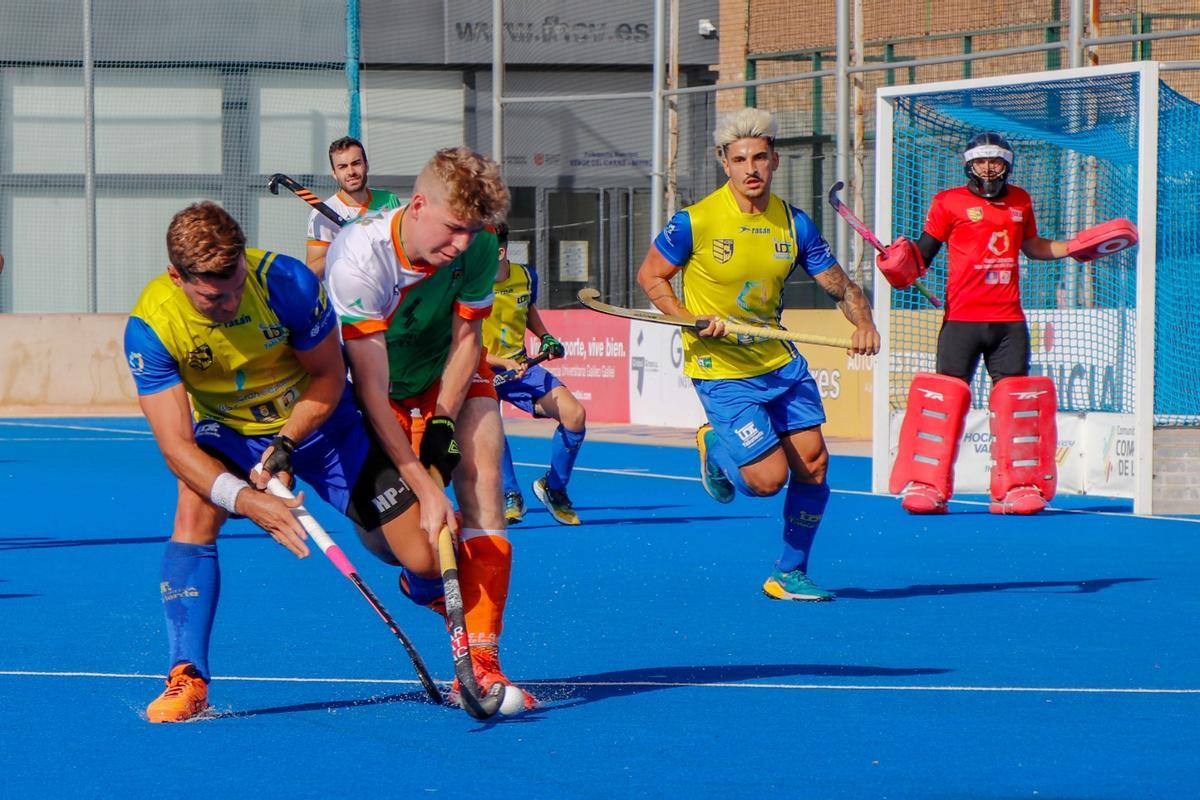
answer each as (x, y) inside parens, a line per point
(418, 335)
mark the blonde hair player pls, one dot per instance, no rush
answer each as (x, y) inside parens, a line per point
(412, 287)
(736, 248)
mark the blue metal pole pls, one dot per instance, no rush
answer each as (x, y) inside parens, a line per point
(354, 126)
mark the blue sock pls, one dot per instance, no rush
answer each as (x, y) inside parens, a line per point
(421, 591)
(507, 471)
(803, 507)
(564, 447)
(719, 453)
(191, 585)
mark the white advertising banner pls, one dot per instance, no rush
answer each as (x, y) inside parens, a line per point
(659, 392)
(1110, 470)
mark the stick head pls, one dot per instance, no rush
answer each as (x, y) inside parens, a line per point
(833, 192)
(588, 294)
(273, 183)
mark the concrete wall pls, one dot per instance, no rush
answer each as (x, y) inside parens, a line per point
(64, 364)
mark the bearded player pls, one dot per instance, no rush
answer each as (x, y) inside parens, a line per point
(986, 224)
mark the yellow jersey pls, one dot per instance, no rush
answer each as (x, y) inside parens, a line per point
(504, 330)
(734, 266)
(243, 373)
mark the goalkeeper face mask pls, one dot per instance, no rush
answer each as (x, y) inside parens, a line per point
(987, 162)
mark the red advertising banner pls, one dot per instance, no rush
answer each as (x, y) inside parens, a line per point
(596, 367)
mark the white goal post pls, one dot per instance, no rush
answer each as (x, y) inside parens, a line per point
(1087, 144)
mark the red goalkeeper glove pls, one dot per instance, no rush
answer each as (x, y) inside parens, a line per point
(901, 263)
(1103, 240)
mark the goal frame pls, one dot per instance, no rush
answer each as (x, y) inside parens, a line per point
(1147, 73)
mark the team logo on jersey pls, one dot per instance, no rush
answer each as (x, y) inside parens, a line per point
(704, 362)
(722, 250)
(272, 333)
(999, 243)
(975, 213)
(201, 358)
(1018, 214)
(137, 363)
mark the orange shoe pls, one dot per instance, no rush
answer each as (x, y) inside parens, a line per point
(486, 663)
(186, 696)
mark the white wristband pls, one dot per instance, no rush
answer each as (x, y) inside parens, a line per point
(225, 490)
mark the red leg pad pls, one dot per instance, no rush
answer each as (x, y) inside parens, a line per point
(930, 434)
(1024, 436)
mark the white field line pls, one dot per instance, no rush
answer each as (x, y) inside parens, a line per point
(636, 473)
(819, 687)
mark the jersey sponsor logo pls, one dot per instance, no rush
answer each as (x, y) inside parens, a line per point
(136, 363)
(722, 250)
(999, 243)
(783, 251)
(748, 229)
(389, 498)
(704, 362)
(975, 213)
(210, 428)
(997, 277)
(1018, 214)
(272, 333)
(749, 434)
(201, 358)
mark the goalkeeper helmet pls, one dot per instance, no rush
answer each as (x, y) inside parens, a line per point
(987, 145)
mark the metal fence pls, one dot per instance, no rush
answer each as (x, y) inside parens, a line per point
(116, 113)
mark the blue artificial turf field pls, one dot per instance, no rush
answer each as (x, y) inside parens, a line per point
(968, 656)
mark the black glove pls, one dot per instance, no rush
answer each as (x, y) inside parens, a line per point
(280, 460)
(552, 346)
(438, 448)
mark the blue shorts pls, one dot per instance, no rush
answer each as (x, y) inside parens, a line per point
(329, 460)
(525, 391)
(750, 414)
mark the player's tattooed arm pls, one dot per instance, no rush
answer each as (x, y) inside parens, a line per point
(854, 305)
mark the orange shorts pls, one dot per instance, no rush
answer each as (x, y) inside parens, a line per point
(414, 411)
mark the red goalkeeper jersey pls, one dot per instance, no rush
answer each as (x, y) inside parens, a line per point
(983, 239)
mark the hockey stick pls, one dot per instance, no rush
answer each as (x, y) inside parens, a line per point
(477, 705)
(509, 374)
(305, 195)
(845, 213)
(339, 559)
(589, 297)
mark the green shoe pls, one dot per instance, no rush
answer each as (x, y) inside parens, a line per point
(556, 502)
(719, 487)
(794, 585)
(514, 507)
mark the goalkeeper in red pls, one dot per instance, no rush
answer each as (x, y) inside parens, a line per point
(736, 248)
(986, 225)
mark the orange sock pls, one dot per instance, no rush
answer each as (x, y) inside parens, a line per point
(484, 566)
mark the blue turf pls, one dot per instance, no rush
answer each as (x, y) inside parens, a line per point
(616, 624)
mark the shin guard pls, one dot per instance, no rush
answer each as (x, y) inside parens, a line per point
(1024, 436)
(930, 434)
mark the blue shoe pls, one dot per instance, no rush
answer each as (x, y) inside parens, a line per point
(514, 507)
(794, 585)
(719, 487)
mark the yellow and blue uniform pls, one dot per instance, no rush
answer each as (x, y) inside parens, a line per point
(243, 373)
(504, 336)
(734, 266)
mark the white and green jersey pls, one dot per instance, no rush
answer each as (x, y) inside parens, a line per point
(321, 229)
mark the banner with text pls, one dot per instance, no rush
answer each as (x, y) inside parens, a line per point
(596, 366)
